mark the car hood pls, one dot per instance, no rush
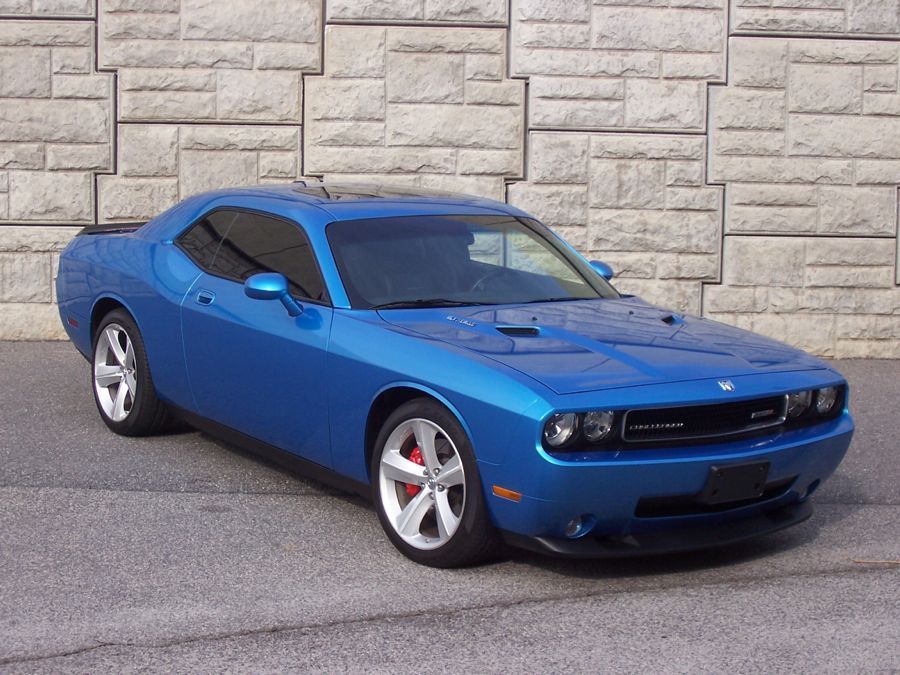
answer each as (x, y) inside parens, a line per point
(590, 345)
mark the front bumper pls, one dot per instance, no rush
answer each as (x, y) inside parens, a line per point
(667, 541)
(611, 491)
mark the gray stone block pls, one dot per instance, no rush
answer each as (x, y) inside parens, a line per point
(825, 89)
(24, 277)
(669, 104)
(135, 198)
(425, 78)
(26, 72)
(643, 28)
(50, 197)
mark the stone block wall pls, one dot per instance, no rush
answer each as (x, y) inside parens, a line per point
(430, 106)
(738, 159)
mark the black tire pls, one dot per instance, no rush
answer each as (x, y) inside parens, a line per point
(145, 414)
(475, 540)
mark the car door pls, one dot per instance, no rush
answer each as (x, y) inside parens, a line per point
(251, 366)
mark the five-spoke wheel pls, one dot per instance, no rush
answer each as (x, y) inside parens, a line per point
(422, 488)
(123, 386)
(426, 487)
(115, 379)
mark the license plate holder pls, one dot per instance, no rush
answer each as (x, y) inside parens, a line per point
(735, 482)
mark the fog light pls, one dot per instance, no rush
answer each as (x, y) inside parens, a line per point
(597, 425)
(560, 428)
(580, 526)
(825, 400)
(798, 403)
(574, 527)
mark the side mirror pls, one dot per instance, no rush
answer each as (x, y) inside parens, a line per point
(603, 269)
(272, 286)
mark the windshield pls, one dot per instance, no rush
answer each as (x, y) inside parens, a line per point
(414, 261)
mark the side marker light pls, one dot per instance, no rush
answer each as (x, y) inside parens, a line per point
(511, 495)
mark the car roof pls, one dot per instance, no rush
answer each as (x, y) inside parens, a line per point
(348, 200)
(316, 204)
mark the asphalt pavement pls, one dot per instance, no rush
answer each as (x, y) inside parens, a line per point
(181, 553)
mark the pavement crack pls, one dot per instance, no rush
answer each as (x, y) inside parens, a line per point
(12, 660)
(249, 493)
(430, 612)
(817, 502)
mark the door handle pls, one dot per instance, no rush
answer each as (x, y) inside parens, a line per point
(205, 297)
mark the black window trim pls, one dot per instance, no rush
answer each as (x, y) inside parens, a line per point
(241, 209)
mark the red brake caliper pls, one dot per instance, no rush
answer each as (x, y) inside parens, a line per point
(415, 456)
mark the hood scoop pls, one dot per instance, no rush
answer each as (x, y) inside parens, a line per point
(672, 320)
(519, 331)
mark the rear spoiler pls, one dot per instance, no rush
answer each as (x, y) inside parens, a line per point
(112, 228)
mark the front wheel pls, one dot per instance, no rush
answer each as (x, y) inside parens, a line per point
(123, 387)
(427, 490)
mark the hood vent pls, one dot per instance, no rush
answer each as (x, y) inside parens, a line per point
(672, 320)
(519, 331)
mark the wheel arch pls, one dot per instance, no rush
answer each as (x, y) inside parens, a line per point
(148, 413)
(103, 306)
(391, 397)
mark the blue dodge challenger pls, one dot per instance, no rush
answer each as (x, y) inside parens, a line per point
(456, 361)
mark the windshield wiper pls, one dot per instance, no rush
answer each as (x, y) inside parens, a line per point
(426, 302)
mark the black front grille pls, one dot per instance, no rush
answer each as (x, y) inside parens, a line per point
(703, 421)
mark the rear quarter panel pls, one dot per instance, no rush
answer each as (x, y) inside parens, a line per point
(149, 279)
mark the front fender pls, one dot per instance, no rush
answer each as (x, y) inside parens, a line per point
(367, 356)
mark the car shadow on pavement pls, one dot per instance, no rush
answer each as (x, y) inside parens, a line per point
(673, 563)
(803, 535)
(303, 482)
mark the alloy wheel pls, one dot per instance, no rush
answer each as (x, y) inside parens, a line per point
(115, 375)
(422, 483)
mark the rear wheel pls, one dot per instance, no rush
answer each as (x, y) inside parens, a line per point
(427, 490)
(123, 387)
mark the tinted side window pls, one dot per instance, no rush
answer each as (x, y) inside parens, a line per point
(255, 243)
(202, 240)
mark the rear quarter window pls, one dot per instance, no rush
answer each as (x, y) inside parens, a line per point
(202, 240)
(238, 244)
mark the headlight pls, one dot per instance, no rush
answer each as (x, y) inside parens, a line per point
(560, 428)
(798, 403)
(825, 400)
(597, 424)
